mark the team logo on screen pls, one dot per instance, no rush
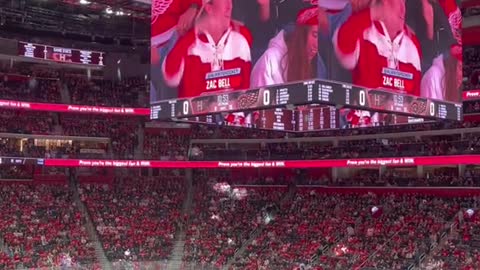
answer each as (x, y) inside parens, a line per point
(418, 107)
(455, 20)
(159, 7)
(248, 100)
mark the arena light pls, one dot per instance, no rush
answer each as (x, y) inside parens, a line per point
(109, 10)
(84, 2)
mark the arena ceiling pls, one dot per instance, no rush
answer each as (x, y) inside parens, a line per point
(111, 22)
(137, 9)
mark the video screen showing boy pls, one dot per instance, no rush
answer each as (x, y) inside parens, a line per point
(405, 46)
(214, 55)
(408, 46)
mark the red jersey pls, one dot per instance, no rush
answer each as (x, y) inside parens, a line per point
(375, 59)
(165, 15)
(196, 64)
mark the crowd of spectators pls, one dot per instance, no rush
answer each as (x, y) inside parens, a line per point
(136, 218)
(38, 83)
(17, 147)
(222, 218)
(100, 92)
(174, 144)
(351, 231)
(461, 249)
(302, 227)
(123, 132)
(26, 122)
(303, 231)
(392, 179)
(9, 147)
(16, 172)
(471, 107)
(471, 11)
(30, 83)
(40, 226)
(346, 149)
(167, 144)
(434, 177)
(16, 87)
(226, 132)
(29, 70)
(471, 68)
(298, 231)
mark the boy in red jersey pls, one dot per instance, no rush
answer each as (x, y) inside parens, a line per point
(379, 49)
(170, 19)
(213, 56)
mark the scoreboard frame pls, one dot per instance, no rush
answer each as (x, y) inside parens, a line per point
(293, 94)
(61, 54)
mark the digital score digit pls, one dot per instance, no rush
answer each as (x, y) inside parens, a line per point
(432, 109)
(362, 98)
(185, 107)
(266, 97)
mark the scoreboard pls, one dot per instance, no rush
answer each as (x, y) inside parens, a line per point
(307, 92)
(317, 118)
(61, 55)
(311, 118)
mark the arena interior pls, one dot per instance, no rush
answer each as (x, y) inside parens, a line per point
(89, 181)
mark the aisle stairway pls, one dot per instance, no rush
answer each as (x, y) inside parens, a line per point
(65, 93)
(240, 252)
(443, 237)
(175, 260)
(92, 232)
(138, 151)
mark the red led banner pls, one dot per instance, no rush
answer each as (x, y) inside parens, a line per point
(359, 163)
(472, 94)
(49, 107)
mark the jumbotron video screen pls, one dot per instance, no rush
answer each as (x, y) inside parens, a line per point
(305, 65)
